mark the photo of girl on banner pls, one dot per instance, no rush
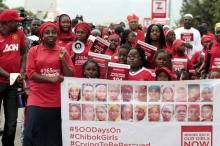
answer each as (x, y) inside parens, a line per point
(101, 92)
(194, 112)
(167, 94)
(167, 112)
(74, 111)
(154, 113)
(207, 112)
(193, 92)
(74, 93)
(114, 92)
(126, 93)
(140, 112)
(181, 112)
(114, 112)
(101, 112)
(88, 112)
(141, 93)
(154, 93)
(181, 94)
(206, 93)
(127, 112)
(87, 92)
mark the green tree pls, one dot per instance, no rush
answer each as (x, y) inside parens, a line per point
(202, 10)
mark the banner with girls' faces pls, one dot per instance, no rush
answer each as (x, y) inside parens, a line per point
(98, 112)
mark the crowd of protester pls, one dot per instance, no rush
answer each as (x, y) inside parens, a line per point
(44, 55)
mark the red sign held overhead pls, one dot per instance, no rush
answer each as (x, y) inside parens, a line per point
(159, 8)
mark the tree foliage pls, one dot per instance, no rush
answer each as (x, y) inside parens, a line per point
(202, 10)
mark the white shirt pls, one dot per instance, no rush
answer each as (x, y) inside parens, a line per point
(191, 36)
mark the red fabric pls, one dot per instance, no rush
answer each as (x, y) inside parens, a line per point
(176, 44)
(196, 56)
(169, 48)
(167, 71)
(206, 38)
(211, 35)
(141, 75)
(215, 56)
(166, 32)
(10, 52)
(85, 26)
(132, 17)
(10, 15)
(46, 62)
(65, 37)
(139, 35)
(115, 58)
(81, 58)
(44, 26)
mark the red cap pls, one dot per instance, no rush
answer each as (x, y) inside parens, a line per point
(10, 15)
(132, 17)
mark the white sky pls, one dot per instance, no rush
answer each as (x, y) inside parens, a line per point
(101, 11)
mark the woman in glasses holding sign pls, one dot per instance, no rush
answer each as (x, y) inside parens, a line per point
(47, 63)
(79, 49)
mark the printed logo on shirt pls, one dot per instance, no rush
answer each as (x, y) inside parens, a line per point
(187, 37)
(10, 48)
(50, 72)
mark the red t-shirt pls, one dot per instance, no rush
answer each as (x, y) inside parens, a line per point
(10, 47)
(141, 75)
(139, 35)
(46, 62)
(215, 57)
(80, 59)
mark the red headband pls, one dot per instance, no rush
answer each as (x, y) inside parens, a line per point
(46, 25)
(84, 26)
(132, 17)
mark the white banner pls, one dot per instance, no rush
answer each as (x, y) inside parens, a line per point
(99, 112)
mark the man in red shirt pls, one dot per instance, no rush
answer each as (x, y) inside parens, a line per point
(133, 25)
(12, 60)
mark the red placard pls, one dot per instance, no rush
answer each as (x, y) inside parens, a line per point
(179, 63)
(196, 135)
(102, 61)
(159, 8)
(117, 71)
(187, 37)
(100, 45)
(148, 49)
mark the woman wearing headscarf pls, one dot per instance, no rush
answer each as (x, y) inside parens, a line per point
(47, 64)
(65, 30)
(82, 31)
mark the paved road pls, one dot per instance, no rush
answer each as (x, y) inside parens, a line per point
(19, 126)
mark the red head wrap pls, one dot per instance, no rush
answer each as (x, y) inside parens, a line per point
(46, 25)
(206, 38)
(177, 43)
(84, 26)
(132, 17)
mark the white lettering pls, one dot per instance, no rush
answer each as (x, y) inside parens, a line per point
(11, 47)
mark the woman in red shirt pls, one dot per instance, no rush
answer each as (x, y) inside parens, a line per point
(82, 31)
(46, 65)
(65, 30)
(136, 59)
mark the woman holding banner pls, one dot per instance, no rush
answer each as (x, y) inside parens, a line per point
(46, 66)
